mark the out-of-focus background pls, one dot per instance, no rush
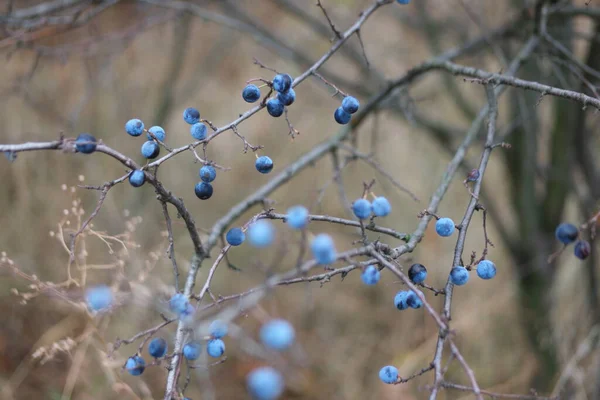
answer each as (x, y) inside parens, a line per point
(535, 326)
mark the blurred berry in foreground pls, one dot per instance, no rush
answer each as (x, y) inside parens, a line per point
(277, 334)
(370, 275)
(99, 297)
(264, 383)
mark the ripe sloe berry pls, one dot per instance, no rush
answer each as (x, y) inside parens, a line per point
(370, 275)
(486, 269)
(459, 275)
(215, 348)
(150, 149)
(566, 233)
(264, 164)
(277, 334)
(208, 173)
(323, 249)
(191, 115)
(582, 249)
(275, 107)
(381, 207)
(282, 83)
(444, 227)
(158, 132)
(85, 143)
(203, 190)
(287, 98)
(264, 383)
(388, 374)
(198, 131)
(341, 116)
(192, 350)
(350, 104)
(134, 127)
(297, 217)
(157, 347)
(362, 208)
(235, 236)
(137, 178)
(417, 273)
(251, 93)
(135, 365)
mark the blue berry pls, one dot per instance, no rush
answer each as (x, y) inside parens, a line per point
(235, 236)
(413, 301)
(370, 275)
(99, 297)
(157, 347)
(191, 115)
(137, 178)
(287, 98)
(208, 173)
(403, 1)
(323, 249)
(582, 249)
(150, 149)
(444, 227)
(566, 233)
(158, 132)
(261, 233)
(400, 300)
(218, 329)
(417, 273)
(486, 269)
(198, 131)
(203, 190)
(85, 143)
(277, 334)
(134, 127)
(192, 350)
(264, 383)
(350, 104)
(135, 365)
(275, 108)
(341, 116)
(297, 217)
(362, 208)
(264, 164)
(282, 83)
(179, 303)
(388, 374)
(381, 207)
(459, 276)
(251, 93)
(215, 348)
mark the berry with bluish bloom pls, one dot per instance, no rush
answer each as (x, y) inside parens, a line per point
(444, 227)
(150, 149)
(235, 236)
(157, 347)
(134, 127)
(287, 98)
(282, 83)
(192, 350)
(264, 383)
(218, 329)
(566, 233)
(350, 104)
(277, 334)
(417, 273)
(370, 275)
(215, 348)
(341, 116)
(486, 269)
(403, 1)
(179, 303)
(413, 301)
(362, 208)
(459, 276)
(297, 217)
(582, 249)
(99, 297)
(203, 190)
(323, 249)
(208, 173)
(381, 207)
(251, 93)
(261, 233)
(198, 131)
(85, 143)
(400, 300)
(158, 132)
(191, 115)
(264, 164)
(135, 365)
(137, 178)
(388, 374)
(275, 107)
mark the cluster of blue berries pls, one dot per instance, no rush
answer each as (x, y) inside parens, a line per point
(568, 233)
(282, 85)
(363, 208)
(343, 114)
(150, 149)
(215, 346)
(404, 299)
